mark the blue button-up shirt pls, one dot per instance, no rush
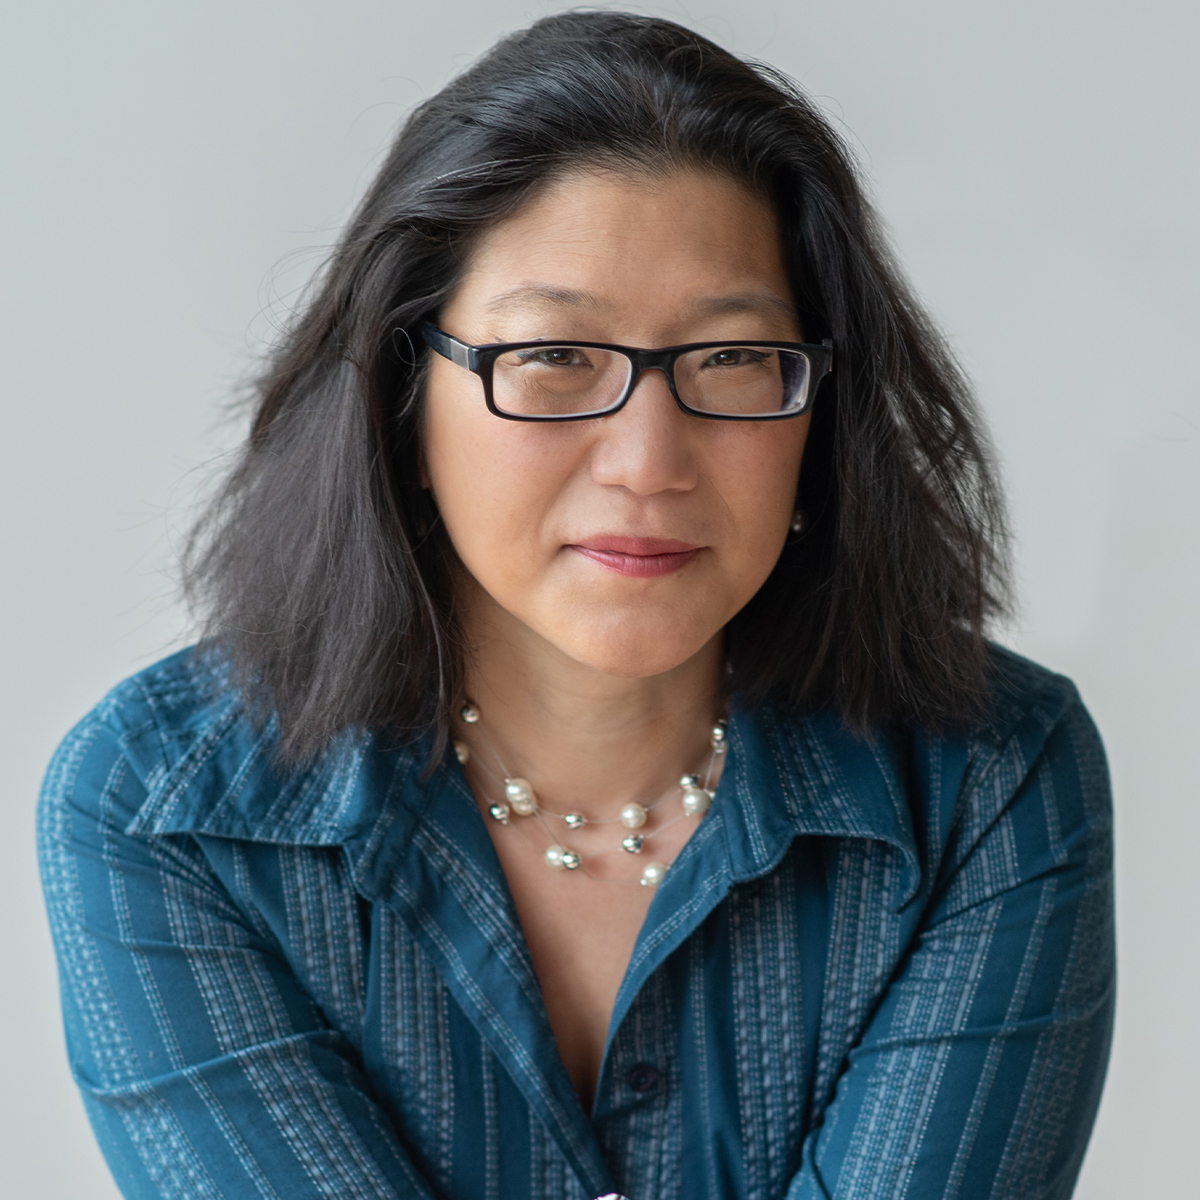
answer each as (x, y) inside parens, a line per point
(879, 968)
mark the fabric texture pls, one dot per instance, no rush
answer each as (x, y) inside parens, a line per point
(880, 967)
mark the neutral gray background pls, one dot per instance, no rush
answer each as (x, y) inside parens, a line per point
(173, 172)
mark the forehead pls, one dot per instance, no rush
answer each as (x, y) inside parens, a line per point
(690, 242)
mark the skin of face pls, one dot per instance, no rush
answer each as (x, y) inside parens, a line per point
(600, 256)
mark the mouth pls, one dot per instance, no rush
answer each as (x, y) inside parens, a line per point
(638, 557)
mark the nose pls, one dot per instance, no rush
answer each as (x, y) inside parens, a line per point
(646, 448)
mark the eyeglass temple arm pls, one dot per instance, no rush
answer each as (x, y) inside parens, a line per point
(449, 347)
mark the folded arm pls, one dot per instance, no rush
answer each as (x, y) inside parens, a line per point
(980, 1073)
(205, 1068)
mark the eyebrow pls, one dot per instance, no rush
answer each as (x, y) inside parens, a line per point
(741, 302)
(538, 295)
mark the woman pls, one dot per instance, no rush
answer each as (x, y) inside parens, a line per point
(594, 776)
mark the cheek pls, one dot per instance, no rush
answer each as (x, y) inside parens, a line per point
(494, 481)
(755, 471)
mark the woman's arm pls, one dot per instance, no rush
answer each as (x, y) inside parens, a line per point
(980, 1074)
(205, 1068)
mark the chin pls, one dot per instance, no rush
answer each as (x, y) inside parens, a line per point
(636, 650)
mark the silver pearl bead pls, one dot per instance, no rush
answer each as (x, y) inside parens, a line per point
(462, 751)
(519, 793)
(571, 860)
(687, 781)
(575, 820)
(554, 856)
(498, 812)
(653, 874)
(696, 801)
(633, 816)
(469, 714)
(633, 843)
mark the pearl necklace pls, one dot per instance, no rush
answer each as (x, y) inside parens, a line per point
(521, 800)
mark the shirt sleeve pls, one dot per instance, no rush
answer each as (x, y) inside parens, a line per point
(979, 1075)
(205, 1068)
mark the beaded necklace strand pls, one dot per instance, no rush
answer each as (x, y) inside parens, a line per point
(521, 800)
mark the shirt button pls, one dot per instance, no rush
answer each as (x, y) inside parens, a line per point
(643, 1077)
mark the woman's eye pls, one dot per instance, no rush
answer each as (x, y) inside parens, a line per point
(554, 356)
(735, 357)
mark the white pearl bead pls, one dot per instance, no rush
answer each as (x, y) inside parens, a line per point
(554, 857)
(633, 816)
(519, 793)
(632, 843)
(653, 874)
(571, 860)
(469, 714)
(696, 801)
(575, 820)
(462, 751)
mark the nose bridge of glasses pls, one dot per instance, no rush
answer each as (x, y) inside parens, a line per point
(651, 360)
(642, 362)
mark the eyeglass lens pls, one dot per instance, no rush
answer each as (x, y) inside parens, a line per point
(556, 381)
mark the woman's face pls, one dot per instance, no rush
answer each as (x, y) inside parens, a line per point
(625, 542)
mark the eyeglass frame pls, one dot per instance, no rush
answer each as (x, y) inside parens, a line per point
(481, 360)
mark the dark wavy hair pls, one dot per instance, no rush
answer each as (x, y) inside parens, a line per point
(320, 567)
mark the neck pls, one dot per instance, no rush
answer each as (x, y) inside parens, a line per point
(581, 736)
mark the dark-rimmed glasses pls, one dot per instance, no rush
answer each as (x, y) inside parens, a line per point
(577, 381)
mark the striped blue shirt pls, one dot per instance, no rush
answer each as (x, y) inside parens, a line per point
(879, 968)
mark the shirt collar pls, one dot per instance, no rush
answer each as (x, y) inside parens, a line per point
(786, 776)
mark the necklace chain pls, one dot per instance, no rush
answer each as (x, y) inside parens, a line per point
(520, 800)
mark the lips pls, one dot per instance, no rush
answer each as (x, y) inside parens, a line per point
(638, 557)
